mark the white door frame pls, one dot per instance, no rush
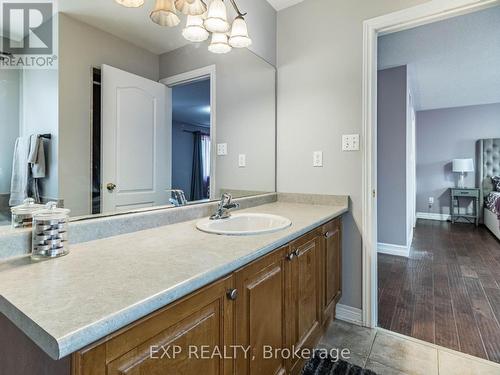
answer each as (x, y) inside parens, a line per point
(432, 11)
(192, 76)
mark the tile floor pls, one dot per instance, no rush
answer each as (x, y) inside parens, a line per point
(389, 353)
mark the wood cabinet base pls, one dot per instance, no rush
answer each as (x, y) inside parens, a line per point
(280, 302)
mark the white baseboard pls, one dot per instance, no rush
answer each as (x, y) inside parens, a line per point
(398, 250)
(349, 314)
(431, 216)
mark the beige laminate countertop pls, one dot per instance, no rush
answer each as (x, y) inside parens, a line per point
(67, 303)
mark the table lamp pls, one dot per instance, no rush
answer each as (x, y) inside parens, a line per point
(462, 166)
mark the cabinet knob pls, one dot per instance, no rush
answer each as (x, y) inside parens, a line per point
(292, 255)
(232, 294)
(110, 186)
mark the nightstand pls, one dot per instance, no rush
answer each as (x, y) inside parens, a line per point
(456, 194)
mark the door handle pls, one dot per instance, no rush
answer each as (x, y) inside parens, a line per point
(110, 186)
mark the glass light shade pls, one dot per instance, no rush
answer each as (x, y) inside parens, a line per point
(219, 44)
(193, 8)
(216, 21)
(131, 3)
(164, 13)
(239, 34)
(194, 30)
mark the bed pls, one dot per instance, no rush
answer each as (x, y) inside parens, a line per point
(488, 160)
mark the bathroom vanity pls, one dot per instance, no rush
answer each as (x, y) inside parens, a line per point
(281, 299)
(116, 303)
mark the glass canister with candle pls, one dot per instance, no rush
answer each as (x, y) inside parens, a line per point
(50, 232)
(22, 215)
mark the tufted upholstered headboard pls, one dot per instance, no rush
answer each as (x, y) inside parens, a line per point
(488, 165)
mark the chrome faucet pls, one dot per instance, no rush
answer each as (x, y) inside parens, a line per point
(178, 197)
(223, 207)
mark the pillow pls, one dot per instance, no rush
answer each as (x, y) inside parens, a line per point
(496, 182)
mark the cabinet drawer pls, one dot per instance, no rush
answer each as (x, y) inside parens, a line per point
(465, 193)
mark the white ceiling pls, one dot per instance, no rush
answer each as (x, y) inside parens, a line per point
(451, 63)
(132, 24)
(282, 4)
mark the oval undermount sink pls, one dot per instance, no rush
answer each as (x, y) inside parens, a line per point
(244, 224)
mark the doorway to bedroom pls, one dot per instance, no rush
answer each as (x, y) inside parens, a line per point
(191, 142)
(438, 142)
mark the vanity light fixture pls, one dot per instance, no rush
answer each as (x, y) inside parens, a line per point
(219, 44)
(239, 34)
(194, 30)
(131, 3)
(191, 8)
(202, 20)
(164, 13)
(216, 21)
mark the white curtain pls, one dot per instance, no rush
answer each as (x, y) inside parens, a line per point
(205, 152)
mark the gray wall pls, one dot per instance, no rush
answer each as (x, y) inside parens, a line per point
(391, 158)
(39, 108)
(443, 135)
(261, 20)
(319, 99)
(245, 111)
(9, 123)
(80, 48)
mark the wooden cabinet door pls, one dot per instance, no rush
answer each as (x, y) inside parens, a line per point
(259, 314)
(303, 309)
(331, 266)
(202, 321)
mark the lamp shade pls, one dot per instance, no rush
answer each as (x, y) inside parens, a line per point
(216, 21)
(164, 13)
(463, 165)
(193, 7)
(219, 43)
(131, 3)
(194, 30)
(239, 34)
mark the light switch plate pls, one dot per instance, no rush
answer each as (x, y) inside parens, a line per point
(242, 160)
(350, 142)
(221, 149)
(317, 158)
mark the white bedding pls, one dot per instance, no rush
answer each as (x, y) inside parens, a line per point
(491, 222)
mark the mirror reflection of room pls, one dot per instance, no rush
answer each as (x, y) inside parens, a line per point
(191, 140)
(123, 131)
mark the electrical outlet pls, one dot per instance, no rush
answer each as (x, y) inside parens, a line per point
(221, 149)
(242, 160)
(317, 158)
(431, 200)
(350, 142)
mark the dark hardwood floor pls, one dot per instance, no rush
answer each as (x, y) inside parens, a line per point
(448, 291)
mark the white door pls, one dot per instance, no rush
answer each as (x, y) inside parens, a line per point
(136, 141)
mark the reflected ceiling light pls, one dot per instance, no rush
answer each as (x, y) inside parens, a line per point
(164, 13)
(201, 21)
(239, 34)
(219, 44)
(192, 8)
(216, 21)
(194, 30)
(131, 3)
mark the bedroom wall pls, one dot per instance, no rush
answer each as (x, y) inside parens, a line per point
(391, 158)
(443, 135)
